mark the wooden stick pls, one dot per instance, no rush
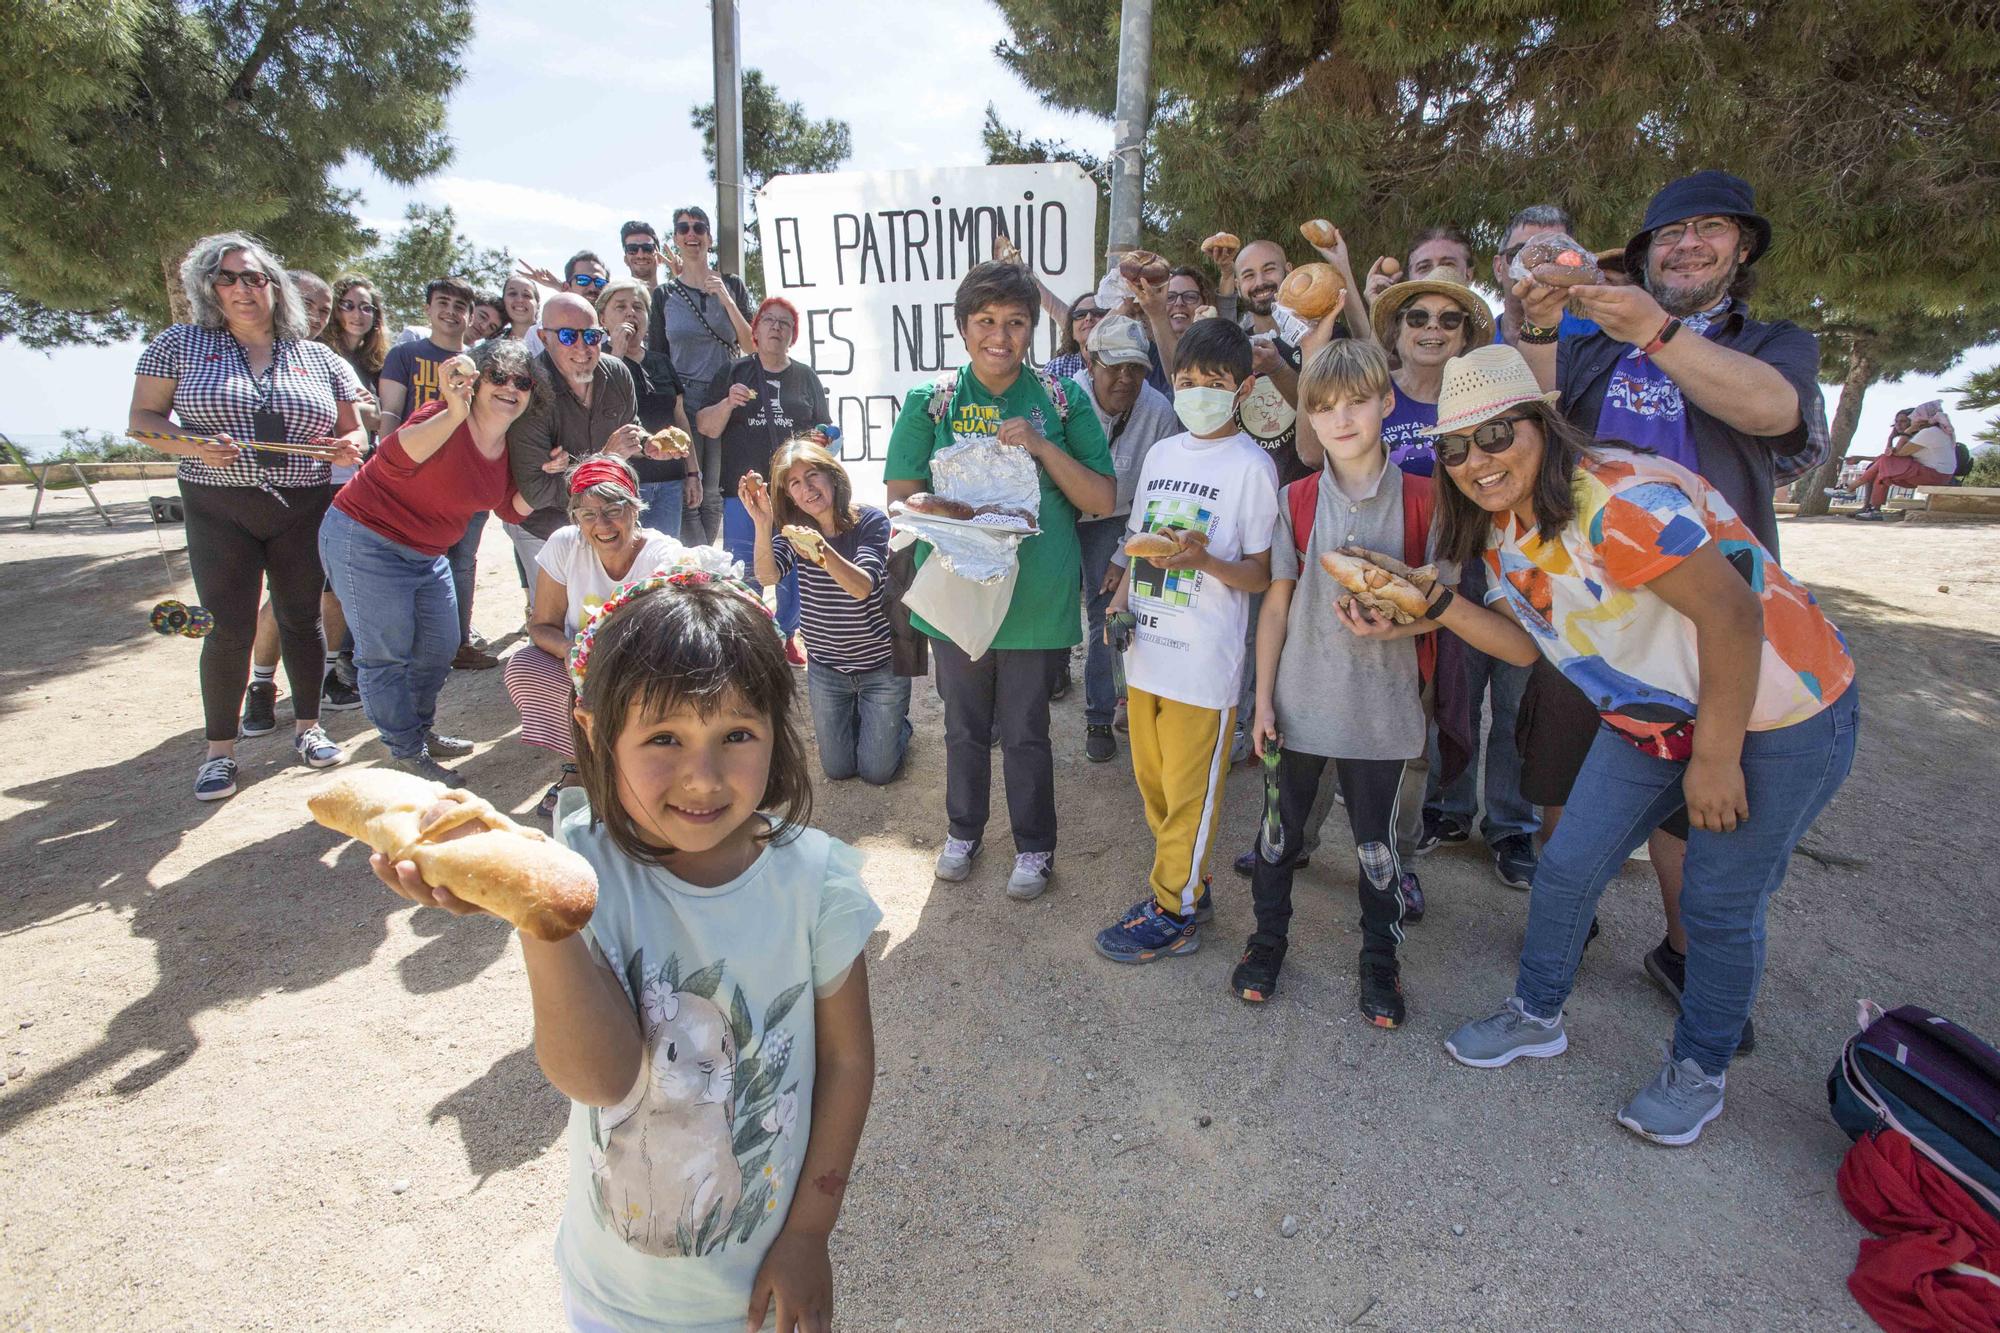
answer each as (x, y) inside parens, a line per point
(319, 451)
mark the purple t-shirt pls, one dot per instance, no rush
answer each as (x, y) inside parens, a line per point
(1408, 450)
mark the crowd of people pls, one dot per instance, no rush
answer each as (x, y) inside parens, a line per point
(1595, 648)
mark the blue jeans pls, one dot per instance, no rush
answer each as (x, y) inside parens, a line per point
(662, 501)
(861, 720)
(1507, 814)
(404, 616)
(464, 558)
(1099, 538)
(739, 538)
(1788, 776)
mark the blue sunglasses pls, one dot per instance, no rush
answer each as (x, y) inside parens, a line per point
(570, 337)
(587, 280)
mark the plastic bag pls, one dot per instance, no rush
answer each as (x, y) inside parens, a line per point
(968, 613)
(1555, 259)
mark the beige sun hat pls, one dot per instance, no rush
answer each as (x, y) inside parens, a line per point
(1446, 280)
(1482, 384)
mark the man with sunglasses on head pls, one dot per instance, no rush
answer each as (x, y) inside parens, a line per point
(593, 408)
(1680, 368)
(702, 316)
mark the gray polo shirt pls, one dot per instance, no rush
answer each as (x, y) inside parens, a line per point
(1151, 420)
(564, 420)
(1339, 695)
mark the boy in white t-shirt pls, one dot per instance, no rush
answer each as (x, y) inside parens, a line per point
(1216, 492)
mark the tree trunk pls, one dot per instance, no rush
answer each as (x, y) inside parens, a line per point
(177, 305)
(1860, 374)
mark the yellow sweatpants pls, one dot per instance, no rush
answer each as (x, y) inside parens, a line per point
(1180, 756)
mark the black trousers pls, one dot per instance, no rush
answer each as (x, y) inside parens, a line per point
(1371, 787)
(1006, 691)
(238, 538)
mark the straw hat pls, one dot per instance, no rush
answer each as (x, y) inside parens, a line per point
(1444, 280)
(1482, 384)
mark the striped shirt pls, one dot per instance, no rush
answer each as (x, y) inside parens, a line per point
(840, 632)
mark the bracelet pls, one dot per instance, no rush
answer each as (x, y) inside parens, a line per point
(1536, 334)
(1436, 609)
(1663, 337)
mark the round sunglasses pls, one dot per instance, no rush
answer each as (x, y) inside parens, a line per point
(571, 337)
(500, 379)
(1494, 437)
(588, 280)
(1448, 320)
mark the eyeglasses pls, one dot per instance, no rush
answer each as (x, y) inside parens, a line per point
(1706, 229)
(1448, 320)
(501, 379)
(1184, 298)
(610, 513)
(229, 277)
(356, 308)
(588, 280)
(640, 248)
(1495, 437)
(690, 227)
(571, 337)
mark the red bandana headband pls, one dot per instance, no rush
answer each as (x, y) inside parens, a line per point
(599, 472)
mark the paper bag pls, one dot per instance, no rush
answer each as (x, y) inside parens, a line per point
(967, 613)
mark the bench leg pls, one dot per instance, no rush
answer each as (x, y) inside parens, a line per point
(41, 476)
(92, 494)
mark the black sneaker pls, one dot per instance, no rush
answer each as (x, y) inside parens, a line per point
(1439, 828)
(1064, 684)
(1099, 745)
(1514, 860)
(336, 695)
(1667, 967)
(1247, 863)
(1381, 989)
(260, 709)
(1256, 976)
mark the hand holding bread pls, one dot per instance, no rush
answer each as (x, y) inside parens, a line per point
(670, 442)
(1312, 291)
(1169, 548)
(1370, 582)
(463, 845)
(808, 542)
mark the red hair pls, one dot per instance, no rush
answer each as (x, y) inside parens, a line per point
(784, 305)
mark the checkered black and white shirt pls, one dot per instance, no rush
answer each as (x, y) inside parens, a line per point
(214, 392)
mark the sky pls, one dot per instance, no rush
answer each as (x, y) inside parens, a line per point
(533, 173)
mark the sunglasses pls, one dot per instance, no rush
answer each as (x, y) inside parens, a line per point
(1448, 320)
(690, 228)
(641, 248)
(1495, 437)
(586, 280)
(501, 379)
(356, 308)
(571, 337)
(229, 277)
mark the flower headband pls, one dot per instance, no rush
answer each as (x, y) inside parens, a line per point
(689, 567)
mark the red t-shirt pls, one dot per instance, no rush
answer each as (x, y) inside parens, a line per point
(426, 505)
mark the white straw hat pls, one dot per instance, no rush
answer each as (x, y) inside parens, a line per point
(1482, 384)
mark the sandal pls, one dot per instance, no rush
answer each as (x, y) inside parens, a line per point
(547, 806)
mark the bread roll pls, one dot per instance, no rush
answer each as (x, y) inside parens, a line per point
(1135, 265)
(1222, 246)
(1554, 262)
(460, 367)
(1425, 579)
(671, 442)
(937, 506)
(1310, 290)
(1319, 232)
(1151, 545)
(1375, 587)
(461, 843)
(808, 542)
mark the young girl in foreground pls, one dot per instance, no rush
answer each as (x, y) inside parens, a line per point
(1720, 684)
(710, 1025)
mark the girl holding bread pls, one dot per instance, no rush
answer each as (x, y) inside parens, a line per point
(1719, 683)
(806, 521)
(710, 1023)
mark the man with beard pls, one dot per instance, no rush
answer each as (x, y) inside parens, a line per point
(1679, 367)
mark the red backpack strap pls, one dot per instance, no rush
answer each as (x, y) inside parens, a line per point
(1419, 500)
(1302, 506)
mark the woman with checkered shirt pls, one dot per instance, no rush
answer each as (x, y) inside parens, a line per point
(243, 369)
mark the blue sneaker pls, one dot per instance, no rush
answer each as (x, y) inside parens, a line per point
(1146, 934)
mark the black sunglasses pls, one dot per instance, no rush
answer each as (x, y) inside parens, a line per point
(686, 227)
(640, 248)
(1495, 437)
(570, 337)
(357, 308)
(1448, 320)
(229, 277)
(501, 379)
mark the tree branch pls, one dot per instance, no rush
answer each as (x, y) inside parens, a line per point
(280, 26)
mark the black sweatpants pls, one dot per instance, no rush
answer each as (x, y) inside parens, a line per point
(238, 537)
(1371, 787)
(1007, 690)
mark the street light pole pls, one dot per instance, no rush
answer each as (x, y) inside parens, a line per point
(728, 137)
(1128, 130)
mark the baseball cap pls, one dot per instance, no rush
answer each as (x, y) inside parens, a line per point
(1121, 341)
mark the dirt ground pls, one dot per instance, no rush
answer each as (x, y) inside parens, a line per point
(247, 1088)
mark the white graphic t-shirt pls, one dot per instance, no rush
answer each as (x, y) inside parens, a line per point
(1189, 645)
(570, 559)
(676, 1193)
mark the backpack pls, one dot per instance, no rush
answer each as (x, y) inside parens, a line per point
(1964, 464)
(1419, 499)
(1931, 1080)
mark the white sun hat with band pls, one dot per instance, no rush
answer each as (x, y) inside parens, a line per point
(1482, 384)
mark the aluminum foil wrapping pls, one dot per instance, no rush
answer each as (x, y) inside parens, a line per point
(979, 470)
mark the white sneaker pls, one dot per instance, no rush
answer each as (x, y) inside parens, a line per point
(317, 749)
(1032, 871)
(954, 863)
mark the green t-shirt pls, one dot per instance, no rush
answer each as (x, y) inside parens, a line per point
(1046, 611)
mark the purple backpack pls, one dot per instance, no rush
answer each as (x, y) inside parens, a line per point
(1929, 1078)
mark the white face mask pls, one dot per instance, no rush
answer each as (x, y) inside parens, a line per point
(1205, 411)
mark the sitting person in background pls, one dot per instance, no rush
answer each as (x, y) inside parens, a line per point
(579, 567)
(806, 520)
(1923, 451)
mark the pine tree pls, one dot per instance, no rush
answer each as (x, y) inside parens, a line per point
(779, 139)
(429, 246)
(131, 128)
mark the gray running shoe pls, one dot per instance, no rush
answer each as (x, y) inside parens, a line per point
(954, 863)
(1032, 871)
(424, 766)
(1676, 1104)
(450, 747)
(1488, 1043)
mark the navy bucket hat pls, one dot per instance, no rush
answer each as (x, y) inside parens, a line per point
(1704, 194)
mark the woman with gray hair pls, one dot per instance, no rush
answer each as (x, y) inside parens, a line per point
(579, 567)
(385, 540)
(244, 369)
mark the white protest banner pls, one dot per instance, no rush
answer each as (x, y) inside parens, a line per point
(873, 260)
